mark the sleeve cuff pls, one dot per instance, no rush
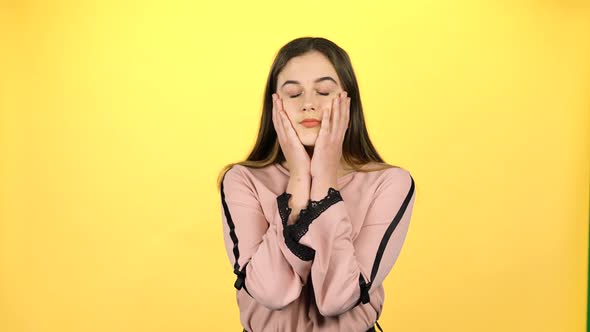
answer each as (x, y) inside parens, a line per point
(306, 216)
(312, 211)
(303, 252)
(293, 233)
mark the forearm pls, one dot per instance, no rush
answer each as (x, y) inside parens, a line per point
(299, 188)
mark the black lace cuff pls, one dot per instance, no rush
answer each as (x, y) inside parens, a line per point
(311, 212)
(283, 205)
(303, 252)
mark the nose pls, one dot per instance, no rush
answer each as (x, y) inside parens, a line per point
(309, 102)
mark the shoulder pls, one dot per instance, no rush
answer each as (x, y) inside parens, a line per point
(396, 178)
(385, 169)
(232, 172)
(373, 166)
(236, 174)
(399, 173)
(252, 176)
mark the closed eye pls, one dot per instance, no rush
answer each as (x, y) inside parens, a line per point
(323, 94)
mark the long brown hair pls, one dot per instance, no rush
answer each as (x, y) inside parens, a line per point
(357, 149)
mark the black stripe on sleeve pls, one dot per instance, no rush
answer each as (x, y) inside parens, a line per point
(364, 286)
(241, 274)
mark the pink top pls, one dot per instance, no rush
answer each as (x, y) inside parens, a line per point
(325, 272)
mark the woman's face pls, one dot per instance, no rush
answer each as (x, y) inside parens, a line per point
(307, 85)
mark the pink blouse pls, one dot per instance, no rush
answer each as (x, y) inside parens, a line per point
(325, 272)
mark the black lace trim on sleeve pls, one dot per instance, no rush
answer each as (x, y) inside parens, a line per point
(312, 211)
(283, 205)
(303, 252)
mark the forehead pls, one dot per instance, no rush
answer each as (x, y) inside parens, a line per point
(306, 68)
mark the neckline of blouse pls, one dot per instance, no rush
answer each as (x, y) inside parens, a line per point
(284, 170)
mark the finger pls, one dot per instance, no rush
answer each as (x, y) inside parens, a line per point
(274, 114)
(334, 116)
(284, 120)
(347, 124)
(278, 123)
(287, 126)
(342, 113)
(325, 125)
(288, 129)
(325, 120)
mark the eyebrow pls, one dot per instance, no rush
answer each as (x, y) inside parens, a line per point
(325, 78)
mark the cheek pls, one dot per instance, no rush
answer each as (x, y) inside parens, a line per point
(291, 106)
(291, 115)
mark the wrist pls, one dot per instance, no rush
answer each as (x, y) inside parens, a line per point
(320, 187)
(300, 173)
(299, 183)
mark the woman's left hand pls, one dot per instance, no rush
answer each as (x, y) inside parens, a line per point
(327, 151)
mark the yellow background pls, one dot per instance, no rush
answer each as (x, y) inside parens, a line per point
(116, 116)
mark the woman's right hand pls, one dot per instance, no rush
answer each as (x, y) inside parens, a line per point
(293, 150)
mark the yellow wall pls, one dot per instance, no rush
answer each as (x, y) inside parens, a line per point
(116, 116)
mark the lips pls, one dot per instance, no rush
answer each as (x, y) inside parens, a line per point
(310, 120)
(309, 123)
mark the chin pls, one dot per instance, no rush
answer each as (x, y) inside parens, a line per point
(309, 140)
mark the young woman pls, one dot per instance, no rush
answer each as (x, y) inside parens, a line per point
(313, 219)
